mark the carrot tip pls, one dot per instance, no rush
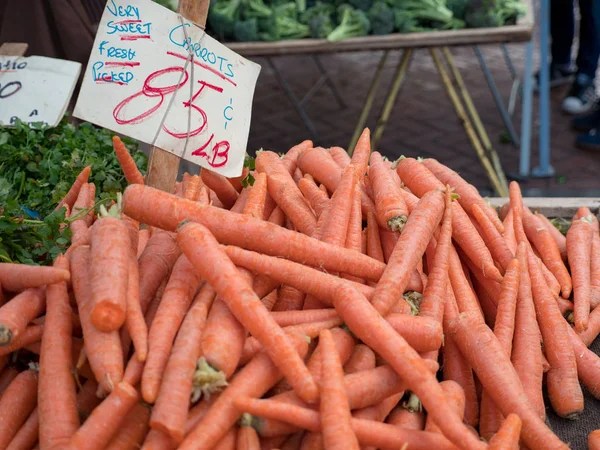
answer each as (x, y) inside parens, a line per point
(207, 380)
(6, 335)
(397, 223)
(413, 298)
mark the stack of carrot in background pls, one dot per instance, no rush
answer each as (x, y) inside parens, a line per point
(336, 303)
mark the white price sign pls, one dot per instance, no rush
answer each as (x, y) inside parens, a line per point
(160, 79)
(36, 89)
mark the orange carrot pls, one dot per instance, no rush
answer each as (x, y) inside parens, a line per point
(284, 191)
(368, 432)
(57, 400)
(256, 378)
(389, 203)
(134, 317)
(223, 189)
(317, 199)
(594, 440)
(143, 237)
(408, 251)
(71, 196)
(103, 350)
(420, 180)
(362, 358)
(364, 321)
(374, 249)
(241, 201)
(579, 246)
(130, 170)
(236, 182)
(104, 421)
(80, 228)
(19, 311)
(544, 243)
(469, 196)
(255, 206)
(559, 238)
(403, 417)
(338, 215)
(362, 152)
(456, 399)
(16, 404)
(170, 411)
(177, 298)
(247, 439)
(6, 377)
(485, 354)
(203, 251)
(110, 249)
(340, 156)
(495, 241)
(290, 158)
(588, 364)
(355, 225)
(335, 413)
(289, 299)
(507, 437)
(158, 208)
(18, 277)
(192, 190)
(27, 436)
(132, 431)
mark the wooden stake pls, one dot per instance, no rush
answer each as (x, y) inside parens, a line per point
(163, 166)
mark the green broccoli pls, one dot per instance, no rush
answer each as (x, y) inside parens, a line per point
(511, 10)
(483, 14)
(246, 30)
(405, 22)
(381, 17)
(363, 5)
(283, 24)
(458, 8)
(222, 16)
(426, 13)
(319, 20)
(353, 22)
(255, 9)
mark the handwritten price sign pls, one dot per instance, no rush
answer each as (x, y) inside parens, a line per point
(35, 89)
(142, 82)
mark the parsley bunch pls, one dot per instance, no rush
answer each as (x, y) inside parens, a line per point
(37, 167)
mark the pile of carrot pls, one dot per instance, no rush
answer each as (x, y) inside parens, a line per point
(336, 303)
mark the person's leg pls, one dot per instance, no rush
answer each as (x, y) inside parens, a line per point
(562, 31)
(582, 95)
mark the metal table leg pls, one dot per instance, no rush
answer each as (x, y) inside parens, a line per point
(497, 97)
(360, 125)
(544, 169)
(290, 94)
(392, 94)
(334, 90)
(525, 157)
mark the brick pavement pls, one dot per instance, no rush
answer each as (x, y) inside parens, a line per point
(423, 122)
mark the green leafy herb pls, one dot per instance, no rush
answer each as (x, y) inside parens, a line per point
(37, 167)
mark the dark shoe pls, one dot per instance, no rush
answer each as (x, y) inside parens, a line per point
(589, 141)
(559, 76)
(587, 121)
(581, 96)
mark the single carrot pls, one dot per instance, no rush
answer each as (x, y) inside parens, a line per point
(409, 250)
(103, 350)
(236, 182)
(494, 240)
(27, 436)
(19, 311)
(18, 277)
(71, 196)
(317, 199)
(289, 299)
(130, 171)
(203, 195)
(203, 251)
(155, 263)
(485, 354)
(558, 237)
(374, 248)
(170, 411)
(364, 321)
(284, 191)
(507, 437)
(256, 378)
(355, 225)
(16, 404)
(247, 439)
(134, 317)
(104, 421)
(420, 180)
(192, 190)
(255, 206)
(31, 335)
(290, 158)
(335, 228)
(368, 432)
(456, 399)
(143, 237)
(57, 400)
(545, 244)
(594, 440)
(362, 358)
(241, 201)
(390, 206)
(579, 246)
(403, 416)
(156, 440)
(340, 156)
(422, 333)
(335, 413)
(176, 300)
(588, 364)
(90, 217)
(132, 431)
(228, 441)
(158, 208)
(6, 377)
(362, 152)
(223, 189)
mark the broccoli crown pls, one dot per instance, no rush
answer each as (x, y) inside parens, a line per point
(482, 14)
(222, 16)
(255, 9)
(381, 17)
(363, 5)
(405, 22)
(458, 8)
(246, 30)
(353, 23)
(284, 24)
(319, 19)
(430, 13)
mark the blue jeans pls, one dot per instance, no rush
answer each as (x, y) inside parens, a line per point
(562, 31)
